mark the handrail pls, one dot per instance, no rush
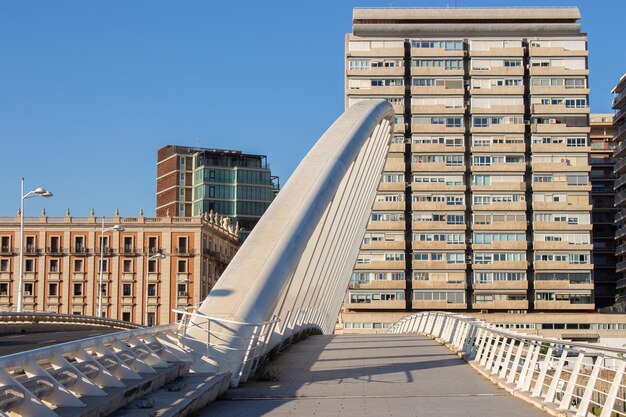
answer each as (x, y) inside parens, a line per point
(574, 376)
(28, 317)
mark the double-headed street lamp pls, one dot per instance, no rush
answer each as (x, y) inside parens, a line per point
(116, 228)
(37, 192)
(155, 256)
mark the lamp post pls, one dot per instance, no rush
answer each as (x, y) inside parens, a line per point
(145, 314)
(117, 228)
(37, 192)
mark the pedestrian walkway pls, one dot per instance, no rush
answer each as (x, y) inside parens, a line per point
(369, 375)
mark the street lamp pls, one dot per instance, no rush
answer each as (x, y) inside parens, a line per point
(155, 256)
(116, 228)
(37, 192)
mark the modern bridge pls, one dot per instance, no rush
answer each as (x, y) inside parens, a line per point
(286, 282)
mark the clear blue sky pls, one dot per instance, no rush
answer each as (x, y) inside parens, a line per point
(89, 90)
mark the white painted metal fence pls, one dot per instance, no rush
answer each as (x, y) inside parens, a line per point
(582, 378)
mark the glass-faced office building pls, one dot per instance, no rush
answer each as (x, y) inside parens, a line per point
(193, 181)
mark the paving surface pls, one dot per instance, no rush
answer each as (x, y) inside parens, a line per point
(21, 342)
(370, 375)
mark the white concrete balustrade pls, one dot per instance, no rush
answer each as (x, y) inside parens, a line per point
(580, 378)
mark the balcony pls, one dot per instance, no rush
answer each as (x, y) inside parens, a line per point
(378, 305)
(515, 226)
(380, 265)
(436, 128)
(430, 226)
(502, 305)
(558, 128)
(6, 250)
(378, 225)
(504, 265)
(519, 71)
(436, 167)
(438, 285)
(435, 52)
(184, 251)
(499, 52)
(499, 109)
(106, 251)
(421, 71)
(436, 90)
(500, 128)
(387, 90)
(561, 165)
(435, 148)
(511, 206)
(564, 226)
(540, 71)
(500, 285)
(394, 165)
(560, 206)
(378, 53)
(559, 186)
(562, 285)
(432, 245)
(376, 71)
(435, 186)
(500, 148)
(552, 265)
(501, 186)
(54, 251)
(557, 90)
(391, 186)
(379, 285)
(498, 90)
(562, 246)
(558, 109)
(536, 51)
(436, 109)
(513, 245)
(559, 147)
(79, 251)
(130, 251)
(562, 305)
(437, 305)
(389, 205)
(438, 206)
(384, 245)
(32, 251)
(437, 265)
(500, 167)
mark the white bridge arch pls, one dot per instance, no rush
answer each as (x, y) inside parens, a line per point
(292, 272)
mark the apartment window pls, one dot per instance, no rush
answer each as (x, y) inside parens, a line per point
(103, 265)
(28, 289)
(126, 316)
(5, 244)
(152, 266)
(78, 265)
(54, 244)
(79, 244)
(128, 244)
(182, 245)
(151, 319)
(54, 265)
(151, 290)
(4, 289)
(104, 289)
(4, 265)
(152, 244)
(182, 265)
(482, 180)
(182, 290)
(127, 265)
(53, 289)
(29, 265)
(78, 289)
(127, 290)
(183, 161)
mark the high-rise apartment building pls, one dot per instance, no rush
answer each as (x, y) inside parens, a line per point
(192, 181)
(603, 212)
(619, 136)
(62, 264)
(484, 202)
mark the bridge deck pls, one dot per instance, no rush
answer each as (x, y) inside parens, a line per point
(370, 375)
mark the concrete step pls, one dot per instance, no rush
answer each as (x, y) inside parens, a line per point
(183, 396)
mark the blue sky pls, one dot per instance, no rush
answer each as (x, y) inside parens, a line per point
(90, 90)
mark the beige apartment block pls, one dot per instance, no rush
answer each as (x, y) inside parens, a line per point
(619, 136)
(62, 264)
(485, 198)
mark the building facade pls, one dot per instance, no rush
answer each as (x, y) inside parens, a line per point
(619, 137)
(192, 181)
(62, 264)
(603, 211)
(484, 202)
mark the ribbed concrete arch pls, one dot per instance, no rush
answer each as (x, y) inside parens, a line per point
(297, 262)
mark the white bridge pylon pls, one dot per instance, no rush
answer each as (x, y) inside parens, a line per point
(292, 272)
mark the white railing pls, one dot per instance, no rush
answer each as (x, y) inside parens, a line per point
(582, 378)
(228, 341)
(36, 382)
